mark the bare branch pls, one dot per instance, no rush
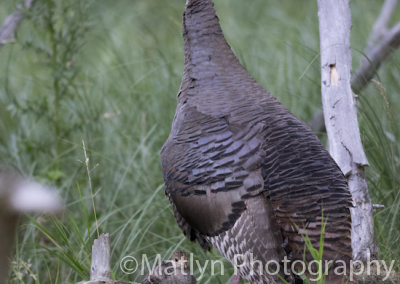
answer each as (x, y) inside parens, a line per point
(377, 206)
(11, 24)
(380, 27)
(376, 55)
(381, 44)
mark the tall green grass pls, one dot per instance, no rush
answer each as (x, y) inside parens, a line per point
(126, 70)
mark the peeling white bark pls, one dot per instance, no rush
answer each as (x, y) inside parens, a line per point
(341, 118)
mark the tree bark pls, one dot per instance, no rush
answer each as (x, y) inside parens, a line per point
(341, 119)
(381, 43)
(100, 268)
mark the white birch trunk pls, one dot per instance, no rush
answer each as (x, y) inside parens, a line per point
(339, 104)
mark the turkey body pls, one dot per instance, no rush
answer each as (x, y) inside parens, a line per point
(241, 171)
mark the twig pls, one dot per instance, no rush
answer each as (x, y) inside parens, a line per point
(11, 23)
(90, 185)
(377, 206)
(97, 191)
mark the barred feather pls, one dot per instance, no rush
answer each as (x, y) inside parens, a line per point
(241, 171)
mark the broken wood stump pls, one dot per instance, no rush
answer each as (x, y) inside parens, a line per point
(100, 270)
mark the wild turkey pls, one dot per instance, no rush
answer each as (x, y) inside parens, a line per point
(241, 171)
(170, 272)
(18, 196)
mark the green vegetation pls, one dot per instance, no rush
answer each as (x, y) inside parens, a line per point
(107, 72)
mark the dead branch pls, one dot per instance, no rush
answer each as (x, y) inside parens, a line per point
(376, 55)
(11, 23)
(381, 44)
(380, 27)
